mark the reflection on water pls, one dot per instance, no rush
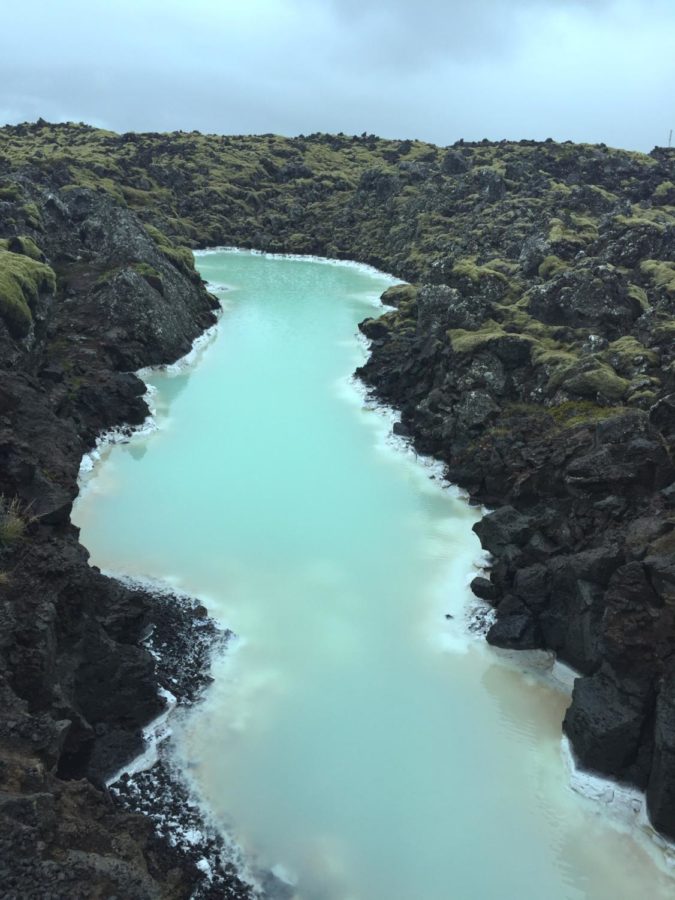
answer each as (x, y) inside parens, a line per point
(355, 740)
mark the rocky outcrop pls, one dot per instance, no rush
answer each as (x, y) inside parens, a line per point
(550, 400)
(77, 684)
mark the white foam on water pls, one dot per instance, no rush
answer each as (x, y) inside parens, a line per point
(304, 257)
(190, 359)
(121, 434)
(154, 735)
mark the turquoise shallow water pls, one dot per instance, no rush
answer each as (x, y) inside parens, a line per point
(355, 738)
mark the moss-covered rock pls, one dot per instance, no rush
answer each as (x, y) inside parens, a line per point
(25, 246)
(550, 266)
(661, 274)
(592, 379)
(22, 280)
(399, 295)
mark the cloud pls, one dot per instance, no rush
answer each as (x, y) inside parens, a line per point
(595, 70)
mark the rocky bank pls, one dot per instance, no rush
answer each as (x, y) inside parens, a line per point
(76, 679)
(532, 352)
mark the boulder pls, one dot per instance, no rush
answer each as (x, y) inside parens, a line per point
(502, 528)
(485, 589)
(604, 723)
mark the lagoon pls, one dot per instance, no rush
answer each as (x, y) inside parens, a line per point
(355, 738)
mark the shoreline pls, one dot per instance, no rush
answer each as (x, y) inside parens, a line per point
(623, 805)
(182, 639)
(152, 783)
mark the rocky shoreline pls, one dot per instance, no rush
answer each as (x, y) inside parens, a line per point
(182, 641)
(82, 655)
(580, 535)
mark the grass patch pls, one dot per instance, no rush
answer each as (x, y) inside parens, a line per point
(580, 412)
(13, 521)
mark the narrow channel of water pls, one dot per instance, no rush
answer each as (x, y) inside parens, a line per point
(356, 739)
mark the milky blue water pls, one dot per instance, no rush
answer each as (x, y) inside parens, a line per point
(355, 738)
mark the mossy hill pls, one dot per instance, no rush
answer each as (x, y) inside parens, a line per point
(522, 224)
(532, 351)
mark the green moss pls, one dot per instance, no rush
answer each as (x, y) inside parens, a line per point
(639, 221)
(26, 246)
(664, 193)
(463, 341)
(551, 266)
(467, 268)
(576, 230)
(32, 216)
(661, 274)
(399, 294)
(642, 399)
(551, 357)
(640, 295)
(605, 194)
(181, 257)
(491, 335)
(150, 274)
(106, 277)
(21, 281)
(580, 412)
(10, 192)
(158, 236)
(559, 187)
(593, 379)
(664, 188)
(665, 330)
(628, 352)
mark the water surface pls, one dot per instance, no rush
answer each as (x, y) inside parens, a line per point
(355, 739)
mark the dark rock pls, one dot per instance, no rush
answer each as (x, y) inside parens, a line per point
(485, 589)
(661, 787)
(604, 723)
(454, 163)
(502, 528)
(588, 298)
(515, 632)
(373, 329)
(534, 251)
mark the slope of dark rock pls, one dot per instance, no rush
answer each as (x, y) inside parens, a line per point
(77, 685)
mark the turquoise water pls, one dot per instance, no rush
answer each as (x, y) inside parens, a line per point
(355, 738)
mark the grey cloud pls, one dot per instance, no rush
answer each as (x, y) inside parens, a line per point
(600, 70)
(461, 30)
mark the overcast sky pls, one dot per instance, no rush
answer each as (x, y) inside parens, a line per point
(439, 70)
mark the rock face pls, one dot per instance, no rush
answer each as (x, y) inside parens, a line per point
(550, 399)
(532, 353)
(76, 684)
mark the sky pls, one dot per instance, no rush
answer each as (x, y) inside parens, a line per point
(437, 70)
